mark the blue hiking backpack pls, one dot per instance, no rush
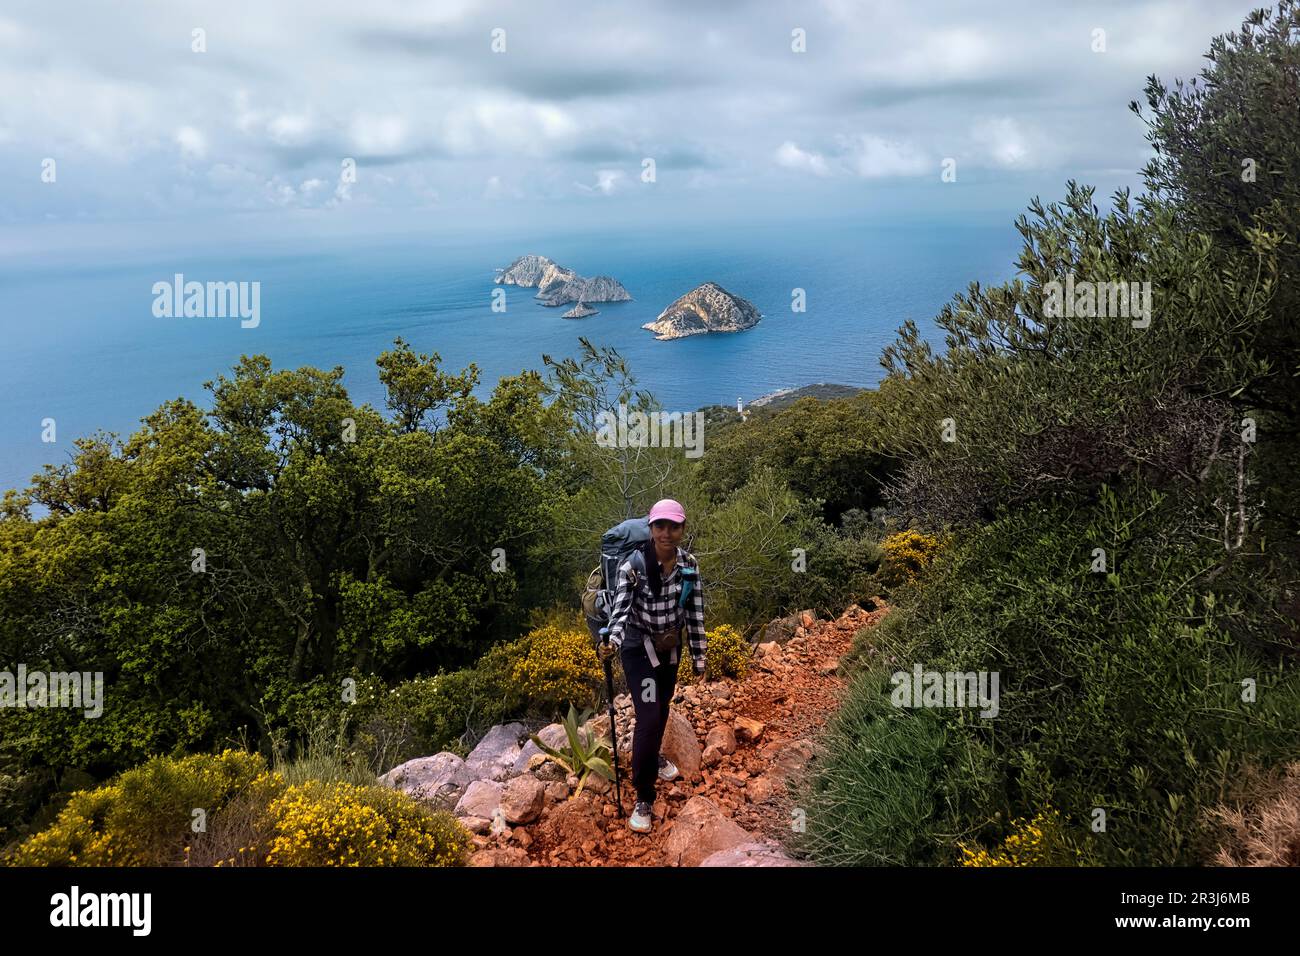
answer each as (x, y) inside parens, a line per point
(626, 540)
(621, 542)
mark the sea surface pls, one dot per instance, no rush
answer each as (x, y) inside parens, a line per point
(82, 346)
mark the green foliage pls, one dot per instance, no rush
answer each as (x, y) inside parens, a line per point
(586, 754)
(146, 816)
(825, 449)
(1227, 158)
(886, 791)
(1119, 689)
(1040, 403)
(748, 549)
(332, 544)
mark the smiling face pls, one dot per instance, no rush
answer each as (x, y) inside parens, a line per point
(667, 534)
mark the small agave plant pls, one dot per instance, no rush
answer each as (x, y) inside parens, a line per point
(585, 754)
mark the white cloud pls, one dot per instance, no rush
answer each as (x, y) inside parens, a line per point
(789, 155)
(287, 90)
(289, 129)
(379, 135)
(1003, 142)
(873, 157)
(607, 180)
(193, 144)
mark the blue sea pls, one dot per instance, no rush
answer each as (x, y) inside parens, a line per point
(81, 344)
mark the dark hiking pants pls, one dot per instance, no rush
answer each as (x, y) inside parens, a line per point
(652, 691)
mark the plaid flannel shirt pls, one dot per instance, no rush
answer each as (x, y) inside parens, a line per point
(657, 614)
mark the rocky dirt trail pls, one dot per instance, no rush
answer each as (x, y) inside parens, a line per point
(737, 744)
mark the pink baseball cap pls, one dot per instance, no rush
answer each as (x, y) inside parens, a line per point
(666, 508)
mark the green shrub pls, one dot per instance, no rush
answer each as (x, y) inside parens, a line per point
(145, 816)
(887, 790)
(553, 667)
(1119, 690)
(536, 676)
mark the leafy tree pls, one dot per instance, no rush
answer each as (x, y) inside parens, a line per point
(1227, 158)
(831, 450)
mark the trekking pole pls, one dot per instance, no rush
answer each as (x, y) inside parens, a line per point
(613, 728)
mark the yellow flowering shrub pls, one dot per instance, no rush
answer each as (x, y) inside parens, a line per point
(551, 667)
(144, 816)
(342, 824)
(908, 554)
(727, 655)
(1036, 842)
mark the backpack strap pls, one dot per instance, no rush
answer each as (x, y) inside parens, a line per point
(637, 560)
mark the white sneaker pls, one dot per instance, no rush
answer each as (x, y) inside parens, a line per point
(640, 820)
(667, 769)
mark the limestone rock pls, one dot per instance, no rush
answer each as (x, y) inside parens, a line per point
(700, 830)
(522, 799)
(548, 771)
(494, 756)
(750, 854)
(781, 629)
(681, 746)
(482, 799)
(440, 779)
(557, 285)
(552, 735)
(557, 791)
(706, 308)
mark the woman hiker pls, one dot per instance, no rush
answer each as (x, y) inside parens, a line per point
(650, 617)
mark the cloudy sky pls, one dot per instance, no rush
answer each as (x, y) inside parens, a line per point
(176, 115)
